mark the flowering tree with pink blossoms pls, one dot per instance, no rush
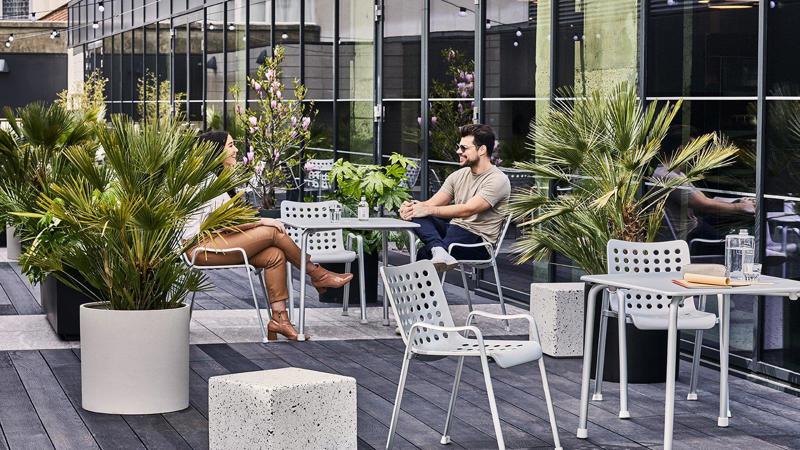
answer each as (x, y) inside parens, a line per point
(276, 130)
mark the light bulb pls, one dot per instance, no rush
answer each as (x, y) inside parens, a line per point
(231, 27)
(519, 32)
(8, 44)
(100, 7)
(33, 16)
(462, 11)
(95, 25)
(488, 24)
(11, 37)
(284, 36)
(516, 44)
(211, 26)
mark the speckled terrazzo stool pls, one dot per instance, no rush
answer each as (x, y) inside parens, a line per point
(282, 409)
(558, 310)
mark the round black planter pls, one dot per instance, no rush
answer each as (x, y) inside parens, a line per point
(647, 351)
(370, 286)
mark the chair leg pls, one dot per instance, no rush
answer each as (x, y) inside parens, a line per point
(258, 310)
(260, 275)
(487, 377)
(500, 292)
(445, 436)
(623, 359)
(362, 282)
(290, 285)
(698, 346)
(401, 385)
(466, 286)
(601, 351)
(346, 294)
(550, 411)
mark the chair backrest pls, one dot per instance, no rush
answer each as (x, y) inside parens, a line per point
(503, 232)
(412, 173)
(416, 295)
(318, 172)
(644, 258)
(321, 241)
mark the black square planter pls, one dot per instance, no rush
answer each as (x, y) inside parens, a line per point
(62, 304)
(370, 286)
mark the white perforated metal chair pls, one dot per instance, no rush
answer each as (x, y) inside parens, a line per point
(249, 269)
(317, 177)
(644, 310)
(427, 328)
(326, 247)
(494, 251)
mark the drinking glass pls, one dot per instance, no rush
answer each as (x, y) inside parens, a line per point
(751, 271)
(336, 214)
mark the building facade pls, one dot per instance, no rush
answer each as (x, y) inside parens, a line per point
(399, 75)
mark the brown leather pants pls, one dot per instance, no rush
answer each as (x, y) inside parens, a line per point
(266, 247)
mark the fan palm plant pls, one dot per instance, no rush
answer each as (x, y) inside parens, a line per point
(604, 148)
(128, 213)
(32, 158)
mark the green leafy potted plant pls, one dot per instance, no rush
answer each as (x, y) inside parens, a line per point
(127, 215)
(32, 158)
(604, 149)
(383, 187)
(276, 130)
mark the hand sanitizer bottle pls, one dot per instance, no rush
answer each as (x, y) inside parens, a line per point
(363, 209)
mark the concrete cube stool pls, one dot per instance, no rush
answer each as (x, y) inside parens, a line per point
(558, 309)
(282, 409)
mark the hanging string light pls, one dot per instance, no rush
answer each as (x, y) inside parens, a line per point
(101, 7)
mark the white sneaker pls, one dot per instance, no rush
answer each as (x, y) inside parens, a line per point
(442, 260)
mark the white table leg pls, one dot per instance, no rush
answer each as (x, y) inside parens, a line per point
(672, 351)
(724, 342)
(301, 336)
(583, 432)
(385, 250)
(412, 245)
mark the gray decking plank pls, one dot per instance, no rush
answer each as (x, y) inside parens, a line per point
(60, 419)
(34, 290)
(156, 432)
(110, 431)
(191, 425)
(17, 293)
(21, 425)
(229, 358)
(476, 414)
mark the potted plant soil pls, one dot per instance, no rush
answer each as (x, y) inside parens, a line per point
(127, 216)
(614, 142)
(384, 188)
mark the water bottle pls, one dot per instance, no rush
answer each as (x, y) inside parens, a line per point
(336, 213)
(363, 209)
(739, 250)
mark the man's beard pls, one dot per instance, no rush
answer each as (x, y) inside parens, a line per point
(469, 163)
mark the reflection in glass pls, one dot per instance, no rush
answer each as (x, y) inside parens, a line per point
(196, 73)
(401, 50)
(237, 63)
(511, 67)
(356, 60)
(215, 67)
(259, 48)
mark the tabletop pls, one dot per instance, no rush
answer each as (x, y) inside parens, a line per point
(374, 223)
(780, 216)
(661, 283)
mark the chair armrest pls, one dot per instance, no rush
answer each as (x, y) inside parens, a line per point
(489, 247)
(359, 242)
(218, 250)
(534, 330)
(456, 329)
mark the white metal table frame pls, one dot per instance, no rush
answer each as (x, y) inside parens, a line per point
(661, 283)
(382, 224)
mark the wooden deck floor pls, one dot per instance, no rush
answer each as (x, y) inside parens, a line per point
(40, 395)
(40, 398)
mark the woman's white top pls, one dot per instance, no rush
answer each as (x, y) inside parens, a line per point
(192, 227)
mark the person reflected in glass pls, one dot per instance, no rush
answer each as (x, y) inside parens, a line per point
(479, 193)
(688, 209)
(267, 246)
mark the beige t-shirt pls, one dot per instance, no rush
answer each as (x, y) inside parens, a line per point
(493, 186)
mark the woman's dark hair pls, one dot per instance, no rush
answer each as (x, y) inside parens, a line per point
(482, 135)
(218, 138)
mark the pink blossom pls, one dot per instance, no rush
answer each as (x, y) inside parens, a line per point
(308, 167)
(273, 104)
(306, 122)
(419, 121)
(294, 121)
(251, 155)
(433, 120)
(244, 160)
(461, 85)
(279, 94)
(238, 109)
(257, 86)
(461, 74)
(470, 77)
(451, 55)
(460, 108)
(270, 74)
(253, 121)
(252, 130)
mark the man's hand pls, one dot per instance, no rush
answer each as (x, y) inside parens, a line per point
(747, 205)
(267, 222)
(416, 210)
(405, 209)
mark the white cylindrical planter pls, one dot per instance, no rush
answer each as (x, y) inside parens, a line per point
(13, 245)
(134, 362)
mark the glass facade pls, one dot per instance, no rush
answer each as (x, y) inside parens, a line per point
(383, 72)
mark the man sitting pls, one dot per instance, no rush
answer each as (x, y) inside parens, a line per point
(479, 192)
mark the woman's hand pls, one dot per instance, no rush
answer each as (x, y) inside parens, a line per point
(273, 223)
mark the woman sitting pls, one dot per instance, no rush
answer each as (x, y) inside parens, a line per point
(267, 246)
